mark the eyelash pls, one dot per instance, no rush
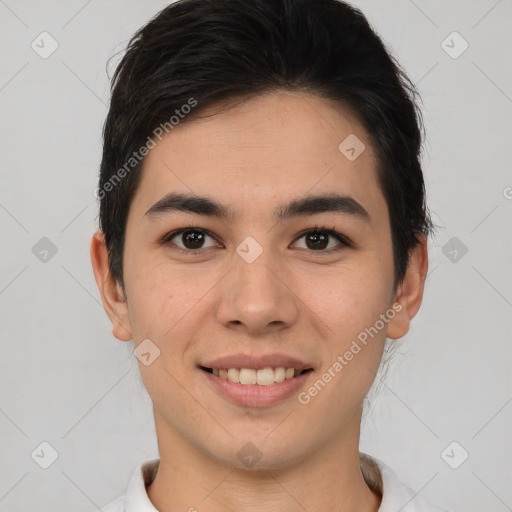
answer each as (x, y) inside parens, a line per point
(344, 241)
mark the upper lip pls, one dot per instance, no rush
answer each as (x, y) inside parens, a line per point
(257, 362)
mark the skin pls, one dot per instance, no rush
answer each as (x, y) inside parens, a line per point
(309, 304)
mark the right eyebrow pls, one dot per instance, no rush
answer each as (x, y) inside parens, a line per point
(309, 205)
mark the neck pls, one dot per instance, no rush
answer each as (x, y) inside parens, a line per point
(330, 478)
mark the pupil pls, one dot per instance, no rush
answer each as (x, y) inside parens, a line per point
(319, 241)
(193, 239)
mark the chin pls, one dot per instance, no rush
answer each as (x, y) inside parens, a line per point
(260, 452)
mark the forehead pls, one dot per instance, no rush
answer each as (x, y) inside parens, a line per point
(264, 150)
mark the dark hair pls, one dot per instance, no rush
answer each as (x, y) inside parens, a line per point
(208, 51)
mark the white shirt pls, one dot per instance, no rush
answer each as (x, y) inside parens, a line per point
(395, 495)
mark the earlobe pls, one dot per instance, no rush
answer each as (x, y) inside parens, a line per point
(111, 293)
(410, 292)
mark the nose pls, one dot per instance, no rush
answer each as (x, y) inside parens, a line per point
(257, 298)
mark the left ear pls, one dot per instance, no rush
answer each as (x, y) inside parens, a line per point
(410, 291)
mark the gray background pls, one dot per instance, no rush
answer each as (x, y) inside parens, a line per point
(65, 380)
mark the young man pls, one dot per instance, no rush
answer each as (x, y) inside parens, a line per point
(263, 231)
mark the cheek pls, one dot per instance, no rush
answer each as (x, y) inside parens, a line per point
(354, 310)
(351, 299)
(352, 352)
(163, 297)
(351, 304)
(160, 304)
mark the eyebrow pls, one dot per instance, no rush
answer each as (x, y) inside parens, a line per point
(308, 205)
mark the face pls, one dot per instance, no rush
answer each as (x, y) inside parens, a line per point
(260, 274)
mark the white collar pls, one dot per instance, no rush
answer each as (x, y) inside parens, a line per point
(379, 477)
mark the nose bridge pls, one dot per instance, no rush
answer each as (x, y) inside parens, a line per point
(255, 272)
(256, 295)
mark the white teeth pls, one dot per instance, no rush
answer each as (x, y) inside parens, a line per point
(262, 377)
(234, 375)
(279, 374)
(265, 377)
(247, 376)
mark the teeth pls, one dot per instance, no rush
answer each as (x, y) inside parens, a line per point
(279, 374)
(234, 375)
(262, 377)
(265, 377)
(247, 376)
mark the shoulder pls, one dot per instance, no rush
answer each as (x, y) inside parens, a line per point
(114, 506)
(395, 495)
(136, 498)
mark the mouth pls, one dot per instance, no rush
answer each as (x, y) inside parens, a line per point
(256, 380)
(257, 376)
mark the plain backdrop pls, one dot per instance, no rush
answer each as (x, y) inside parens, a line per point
(66, 381)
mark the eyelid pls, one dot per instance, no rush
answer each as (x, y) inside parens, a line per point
(342, 239)
(167, 238)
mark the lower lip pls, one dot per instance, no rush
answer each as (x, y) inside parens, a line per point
(252, 395)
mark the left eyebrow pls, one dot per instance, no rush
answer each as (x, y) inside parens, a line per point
(309, 205)
(189, 203)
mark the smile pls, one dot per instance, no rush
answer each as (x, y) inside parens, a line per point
(253, 376)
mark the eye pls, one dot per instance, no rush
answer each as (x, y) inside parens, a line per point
(319, 239)
(191, 238)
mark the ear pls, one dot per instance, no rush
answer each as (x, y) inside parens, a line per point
(112, 294)
(410, 292)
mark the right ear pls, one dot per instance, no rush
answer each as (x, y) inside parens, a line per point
(112, 294)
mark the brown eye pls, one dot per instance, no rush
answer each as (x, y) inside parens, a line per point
(320, 239)
(191, 239)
